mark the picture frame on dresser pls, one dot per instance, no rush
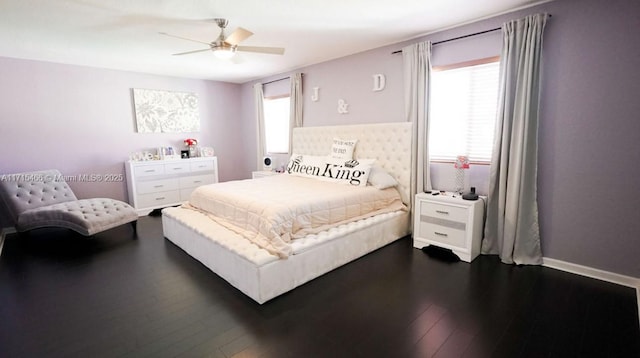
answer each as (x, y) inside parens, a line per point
(158, 184)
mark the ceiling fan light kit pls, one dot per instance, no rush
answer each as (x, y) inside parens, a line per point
(226, 47)
(224, 52)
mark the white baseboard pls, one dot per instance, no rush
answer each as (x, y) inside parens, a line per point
(591, 272)
(3, 233)
(602, 275)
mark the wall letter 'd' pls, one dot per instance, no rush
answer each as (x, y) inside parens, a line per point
(379, 81)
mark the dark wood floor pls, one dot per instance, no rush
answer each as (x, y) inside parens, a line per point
(65, 296)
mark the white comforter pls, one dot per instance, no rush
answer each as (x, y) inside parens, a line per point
(274, 210)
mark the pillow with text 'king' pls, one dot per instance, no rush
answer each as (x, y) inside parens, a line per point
(351, 172)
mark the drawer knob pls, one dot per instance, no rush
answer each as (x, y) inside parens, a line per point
(197, 181)
(158, 186)
(442, 212)
(160, 198)
(440, 234)
(149, 170)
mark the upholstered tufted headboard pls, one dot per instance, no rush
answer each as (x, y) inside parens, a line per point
(388, 143)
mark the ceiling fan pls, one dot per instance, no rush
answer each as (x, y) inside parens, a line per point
(226, 47)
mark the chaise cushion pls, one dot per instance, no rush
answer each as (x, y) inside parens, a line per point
(24, 191)
(88, 216)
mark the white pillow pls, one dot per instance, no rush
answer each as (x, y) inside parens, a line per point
(342, 150)
(351, 172)
(380, 179)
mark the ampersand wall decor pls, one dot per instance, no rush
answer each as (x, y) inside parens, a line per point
(343, 106)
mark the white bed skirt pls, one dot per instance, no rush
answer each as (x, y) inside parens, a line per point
(263, 276)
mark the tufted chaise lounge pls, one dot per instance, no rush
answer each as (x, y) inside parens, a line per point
(43, 199)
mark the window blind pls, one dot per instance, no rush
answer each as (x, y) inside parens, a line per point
(463, 112)
(276, 124)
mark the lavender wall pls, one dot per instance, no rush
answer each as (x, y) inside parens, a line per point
(589, 134)
(588, 123)
(80, 120)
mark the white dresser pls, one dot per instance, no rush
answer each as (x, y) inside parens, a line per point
(449, 222)
(161, 183)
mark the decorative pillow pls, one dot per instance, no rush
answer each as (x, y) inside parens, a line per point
(342, 150)
(380, 179)
(352, 172)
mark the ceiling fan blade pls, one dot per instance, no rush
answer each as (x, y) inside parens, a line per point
(189, 52)
(238, 36)
(267, 50)
(183, 38)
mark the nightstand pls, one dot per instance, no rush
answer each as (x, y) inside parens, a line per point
(449, 222)
(263, 173)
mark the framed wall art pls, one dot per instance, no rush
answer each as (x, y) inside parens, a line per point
(159, 111)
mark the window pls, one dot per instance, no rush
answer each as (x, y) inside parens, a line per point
(276, 124)
(463, 111)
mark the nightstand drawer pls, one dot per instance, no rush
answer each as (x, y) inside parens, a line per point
(441, 211)
(155, 186)
(443, 234)
(263, 173)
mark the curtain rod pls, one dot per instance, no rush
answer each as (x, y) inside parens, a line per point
(279, 79)
(460, 37)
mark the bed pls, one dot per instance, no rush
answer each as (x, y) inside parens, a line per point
(263, 274)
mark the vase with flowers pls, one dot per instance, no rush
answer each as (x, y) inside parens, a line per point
(192, 145)
(462, 163)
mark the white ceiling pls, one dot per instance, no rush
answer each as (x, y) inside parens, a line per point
(123, 34)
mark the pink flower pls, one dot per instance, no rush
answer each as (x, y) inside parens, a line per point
(190, 142)
(462, 162)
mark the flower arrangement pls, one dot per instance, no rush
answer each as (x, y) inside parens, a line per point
(462, 162)
(189, 142)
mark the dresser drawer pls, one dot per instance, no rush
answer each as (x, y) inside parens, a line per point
(149, 170)
(159, 199)
(443, 211)
(176, 168)
(202, 166)
(185, 193)
(196, 181)
(443, 234)
(155, 186)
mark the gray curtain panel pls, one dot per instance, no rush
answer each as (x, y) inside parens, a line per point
(296, 101)
(416, 60)
(258, 95)
(511, 227)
